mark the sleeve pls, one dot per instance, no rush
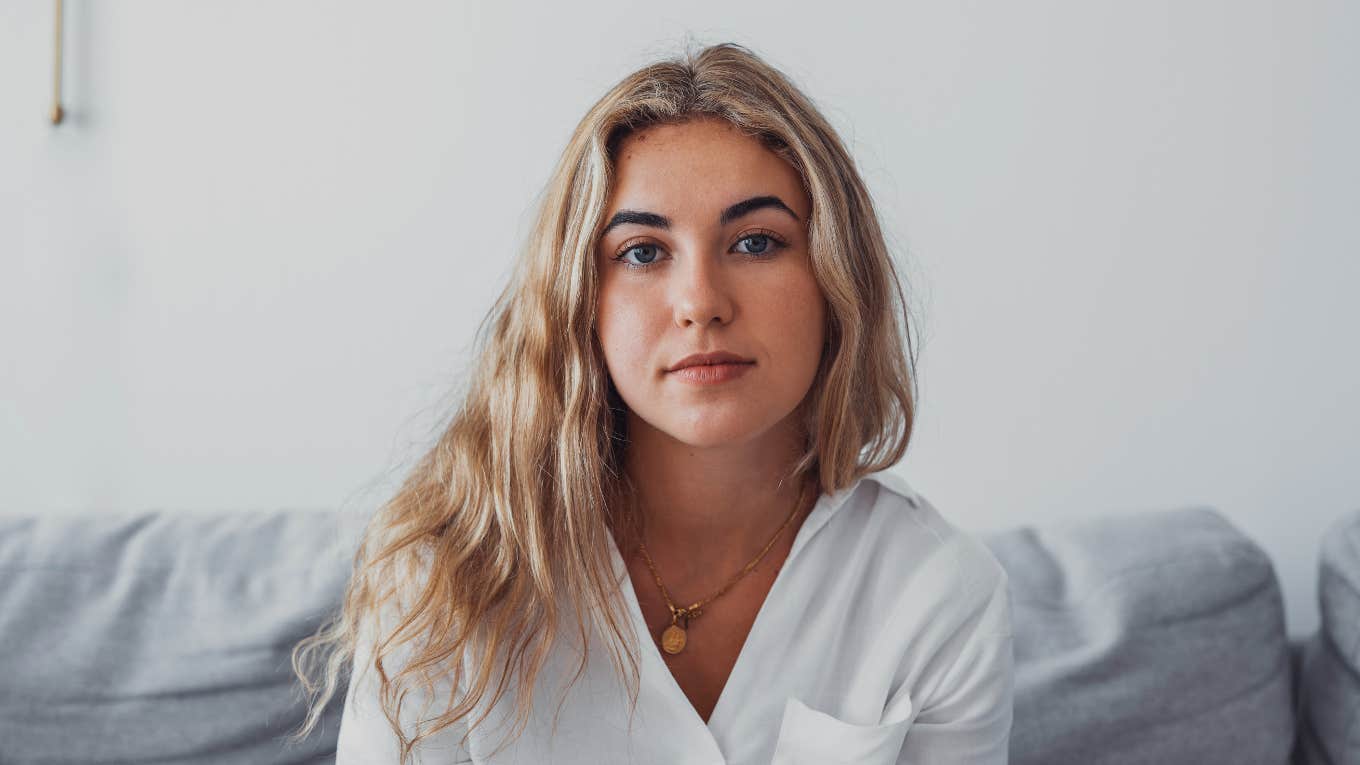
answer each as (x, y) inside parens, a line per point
(967, 719)
(367, 738)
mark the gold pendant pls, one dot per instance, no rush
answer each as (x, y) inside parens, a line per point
(673, 639)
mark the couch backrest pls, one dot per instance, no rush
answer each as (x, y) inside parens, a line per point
(1150, 637)
(1329, 721)
(163, 637)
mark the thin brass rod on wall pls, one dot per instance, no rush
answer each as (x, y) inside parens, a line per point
(57, 112)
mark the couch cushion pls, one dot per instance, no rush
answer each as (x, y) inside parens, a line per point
(1155, 637)
(1329, 718)
(163, 637)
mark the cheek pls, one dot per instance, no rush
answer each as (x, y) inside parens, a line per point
(800, 309)
(625, 335)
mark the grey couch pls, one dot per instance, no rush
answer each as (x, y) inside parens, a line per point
(1150, 638)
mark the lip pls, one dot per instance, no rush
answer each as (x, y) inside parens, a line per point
(712, 374)
(708, 359)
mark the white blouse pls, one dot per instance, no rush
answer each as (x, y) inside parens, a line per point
(885, 638)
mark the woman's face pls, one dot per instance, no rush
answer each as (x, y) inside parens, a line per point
(706, 249)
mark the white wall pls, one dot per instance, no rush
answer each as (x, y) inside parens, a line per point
(246, 271)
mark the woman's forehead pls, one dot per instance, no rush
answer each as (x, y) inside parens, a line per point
(700, 166)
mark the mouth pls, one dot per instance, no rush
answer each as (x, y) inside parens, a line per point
(712, 374)
(712, 358)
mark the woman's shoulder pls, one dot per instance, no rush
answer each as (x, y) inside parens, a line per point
(920, 548)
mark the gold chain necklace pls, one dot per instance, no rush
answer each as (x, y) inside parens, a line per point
(673, 638)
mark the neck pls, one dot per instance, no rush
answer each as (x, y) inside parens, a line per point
(706, 512)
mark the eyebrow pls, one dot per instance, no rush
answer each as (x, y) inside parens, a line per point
(744, 207)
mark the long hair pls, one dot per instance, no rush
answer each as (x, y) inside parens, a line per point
(496, 545)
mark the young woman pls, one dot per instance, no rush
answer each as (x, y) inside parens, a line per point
(660, 528)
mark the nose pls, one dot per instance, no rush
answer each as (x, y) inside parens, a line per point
(700, 293)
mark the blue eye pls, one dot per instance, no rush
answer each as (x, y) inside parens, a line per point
(649, 249)
(763, 243)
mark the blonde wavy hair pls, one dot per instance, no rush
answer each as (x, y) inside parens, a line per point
(500, 534)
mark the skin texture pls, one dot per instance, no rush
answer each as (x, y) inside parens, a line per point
(706, 459)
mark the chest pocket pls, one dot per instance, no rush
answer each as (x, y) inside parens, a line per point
(810, 737)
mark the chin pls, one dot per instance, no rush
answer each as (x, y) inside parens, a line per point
(709, 433)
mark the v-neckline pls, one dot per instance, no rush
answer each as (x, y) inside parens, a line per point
(815, 519)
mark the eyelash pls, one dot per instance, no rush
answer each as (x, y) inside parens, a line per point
(777, 243)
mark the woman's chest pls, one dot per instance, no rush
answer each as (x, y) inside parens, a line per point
(713, 641)
(716, 705)
(794, 667)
